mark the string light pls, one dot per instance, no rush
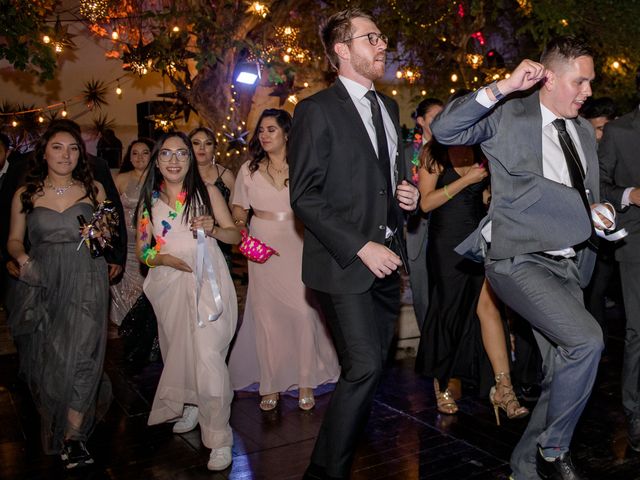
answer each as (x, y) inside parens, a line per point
(64, 110)
(93, 10)
(454, 78)
(14, 124)
(115, 35)
(259, 9)
(423, 25)
(119, 90)
(40, 119)
(46, 39)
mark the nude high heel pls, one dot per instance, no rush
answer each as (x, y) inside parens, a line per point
(509, 402)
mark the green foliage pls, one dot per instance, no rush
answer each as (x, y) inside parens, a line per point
(22, 25)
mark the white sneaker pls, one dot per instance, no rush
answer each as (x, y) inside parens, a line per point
(219, 459)
(188, 421)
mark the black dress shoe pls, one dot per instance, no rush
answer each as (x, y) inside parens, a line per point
(633, 434)
(560, 469)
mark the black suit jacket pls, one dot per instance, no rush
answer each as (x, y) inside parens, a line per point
(338, 189)
(619, 169)
(15, 177)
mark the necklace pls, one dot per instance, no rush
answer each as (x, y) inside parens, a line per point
(278, 170)
(59, 190)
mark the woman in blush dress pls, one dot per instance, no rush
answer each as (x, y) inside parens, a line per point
(282, 343)
(60, 302)
(192, 294)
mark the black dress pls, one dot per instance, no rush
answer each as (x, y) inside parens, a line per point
(451, 342)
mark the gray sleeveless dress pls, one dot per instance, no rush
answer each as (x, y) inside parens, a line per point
(58, 320)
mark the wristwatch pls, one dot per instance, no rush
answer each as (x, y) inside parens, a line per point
(496, 91)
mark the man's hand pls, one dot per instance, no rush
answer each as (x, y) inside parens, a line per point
(407, 195)
(634, 196)
(525, 76)
(607, 223)
(379, 259)
(114, 270)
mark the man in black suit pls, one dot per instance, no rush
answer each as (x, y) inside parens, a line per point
(345, 165)
(620, 183)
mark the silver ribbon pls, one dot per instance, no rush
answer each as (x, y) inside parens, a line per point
(204, 263)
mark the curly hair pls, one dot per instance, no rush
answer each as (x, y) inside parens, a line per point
(39, 169)
(193, 185)
(257, 152)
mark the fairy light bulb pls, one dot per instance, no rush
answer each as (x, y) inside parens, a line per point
(64, 111)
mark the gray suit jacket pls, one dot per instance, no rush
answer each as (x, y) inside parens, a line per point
(418, 221)
(529, 213)
(619, 154)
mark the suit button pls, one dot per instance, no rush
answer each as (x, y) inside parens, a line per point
(382, 227)
(382, 192)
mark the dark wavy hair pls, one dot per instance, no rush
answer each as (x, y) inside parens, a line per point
(193, 184)
(127, 166)
(38, 168)
(257, 152)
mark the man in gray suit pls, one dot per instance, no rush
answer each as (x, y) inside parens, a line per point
(620, 182)
(418, 222)
(536, 237)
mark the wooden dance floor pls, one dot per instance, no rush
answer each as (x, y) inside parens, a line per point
(405, 438)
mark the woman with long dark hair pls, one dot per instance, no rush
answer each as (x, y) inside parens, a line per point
(213, 174)
(282, 343)
(60, 303)
(463, 314)
(128, 182)
(192, 294)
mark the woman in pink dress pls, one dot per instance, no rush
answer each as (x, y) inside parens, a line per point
(282, 343)
(180, 222)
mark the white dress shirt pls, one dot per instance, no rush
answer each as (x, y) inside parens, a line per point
(357, 93)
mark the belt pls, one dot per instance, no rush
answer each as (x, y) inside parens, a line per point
(274, 216)
(556, 258)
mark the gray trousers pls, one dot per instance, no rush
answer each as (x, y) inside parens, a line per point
(630, 279)
(547, 294)
(416, 237)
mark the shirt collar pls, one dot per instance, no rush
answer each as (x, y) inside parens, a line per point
(547, 115)
(354, 88)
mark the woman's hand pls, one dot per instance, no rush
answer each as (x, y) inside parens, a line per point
(204, 222)
(475, 174)
(169, 260)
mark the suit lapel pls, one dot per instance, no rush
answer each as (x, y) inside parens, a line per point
(586, 139)
(534, 121)
(351, 113)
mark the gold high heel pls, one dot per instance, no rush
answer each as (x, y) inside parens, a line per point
(509, 402)
(444, 400)
(269, 402)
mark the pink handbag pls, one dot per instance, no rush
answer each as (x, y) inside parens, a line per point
(254, 249)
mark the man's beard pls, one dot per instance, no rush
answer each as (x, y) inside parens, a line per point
(367, 68)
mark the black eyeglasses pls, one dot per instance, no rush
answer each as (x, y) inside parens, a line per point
(373, 38)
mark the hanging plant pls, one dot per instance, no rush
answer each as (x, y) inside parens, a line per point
(94, 94)
(101, 124)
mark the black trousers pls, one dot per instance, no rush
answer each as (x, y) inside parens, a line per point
(362, 326)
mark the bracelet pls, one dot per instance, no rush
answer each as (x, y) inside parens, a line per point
(239, 221)
(446, 192)
(26, 261)
(146, 262)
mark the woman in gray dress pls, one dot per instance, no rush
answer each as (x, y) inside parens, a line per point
(60, 303)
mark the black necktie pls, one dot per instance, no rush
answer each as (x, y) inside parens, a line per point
(574, 165)
(383, 153)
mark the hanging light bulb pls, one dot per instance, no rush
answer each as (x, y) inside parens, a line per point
(64, 110)
(14, 124)
(118, 90)
(115, 35)
(46, 39)
(40, 119)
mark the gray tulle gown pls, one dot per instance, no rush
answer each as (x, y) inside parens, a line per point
(59, 323)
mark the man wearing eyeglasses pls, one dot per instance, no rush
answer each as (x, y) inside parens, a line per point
(348, 186)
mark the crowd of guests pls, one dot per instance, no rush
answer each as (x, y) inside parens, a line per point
(165, 280)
